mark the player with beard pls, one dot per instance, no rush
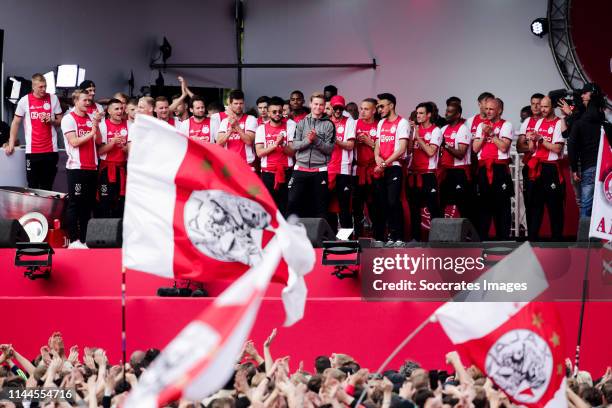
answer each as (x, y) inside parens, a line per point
(522, 146)
(545, 172)
(40, 113)
(494, 186)
(454, 166)
(340, 167)
(112, 150)
(365, 132)
(198, 126)
(273, 145)
(422, 182)
(296, 106)
(80, 130)
(391, 141)
(237, 130)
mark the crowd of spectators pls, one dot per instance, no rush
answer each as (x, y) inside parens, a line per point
(336, 381)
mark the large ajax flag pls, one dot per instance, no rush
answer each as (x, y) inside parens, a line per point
(601, 215)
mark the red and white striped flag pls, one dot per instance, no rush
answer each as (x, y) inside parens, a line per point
(196, 211)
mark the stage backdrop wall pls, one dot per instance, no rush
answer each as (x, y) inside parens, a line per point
(427, 50)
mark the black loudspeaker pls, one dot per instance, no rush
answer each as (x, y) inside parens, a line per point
(105, 233)
(318, 230)
(11, 232)
(584, 226)
(452, 230)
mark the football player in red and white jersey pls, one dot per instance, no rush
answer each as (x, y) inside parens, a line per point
(296, 106)
(162, 111)
(262, 109)
(522, 146)
(237, 130)
(494, 186)
(273, 145)
(112, 150)
(40, 113)
(146, 104)
(392, 139)
(199, 126)
(365, 132)
(340, 167)
(454, 175)
(545, 172)
(90, 87)
(473, 122)
(422, 183)
(80, 132)
(179, 107)
(130, 111)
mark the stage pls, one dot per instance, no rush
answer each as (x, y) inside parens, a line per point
(83, 301)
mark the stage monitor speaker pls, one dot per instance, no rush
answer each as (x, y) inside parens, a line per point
(318, 230)
(452, 230)
(11, 232)
(584, 226)
(105, 233)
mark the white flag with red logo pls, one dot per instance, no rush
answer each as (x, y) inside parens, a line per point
(518, 345)
(601, 214)
(196, 211)
(201, 359)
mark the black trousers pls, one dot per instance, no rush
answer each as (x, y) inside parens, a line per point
(388, 205)
(110, 201)
(494, 201)
(280, 195)
(308, 194)
(81, 201)
(362, 197)
(455, 188)
(527, 189)
(547, 190)
(343, 192)
(419, 197)
(41, 169)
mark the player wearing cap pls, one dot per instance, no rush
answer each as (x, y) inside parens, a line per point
(545, 172)
(80, 131)
(198, 126)
(340, 167)
(237, 130)
(365, 132)
(112, 150)
(273, 145)
(454, 166)
(494, 187)
(40, 113)
(391, 141)
(422, 183)
(522, 146)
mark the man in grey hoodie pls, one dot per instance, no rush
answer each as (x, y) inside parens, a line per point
(313, 143)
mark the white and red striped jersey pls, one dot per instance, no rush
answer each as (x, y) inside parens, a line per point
(363, 152)
(503, 130)
(39, 137)
(173, 121)
(247, 123)
(108, 130)
(389, 135)
(83, 157)
(550, 130)
(266, 135)
(528, 125)
(215, 123)
(472, 124)
(421, 161)
(454, 136)
(94, 107)
(341, 161)
(202, 131)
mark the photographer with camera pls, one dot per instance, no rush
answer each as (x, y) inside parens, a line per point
(583, 144)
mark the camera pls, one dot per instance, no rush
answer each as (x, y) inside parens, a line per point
(571, 97)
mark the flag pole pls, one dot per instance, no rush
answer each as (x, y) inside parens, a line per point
(396, 351)
(585, 290)
(123, 317)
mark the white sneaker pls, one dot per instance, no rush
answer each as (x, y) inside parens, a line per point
(77, 245)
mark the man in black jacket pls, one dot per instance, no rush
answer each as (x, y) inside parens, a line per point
(583, 145)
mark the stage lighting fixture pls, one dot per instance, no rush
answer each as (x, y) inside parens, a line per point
(539, 27)
(81, 75)
(36, 257)
(50, 77)
(67, 76)
(166, 50)
(16, 87)
(344, 256)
